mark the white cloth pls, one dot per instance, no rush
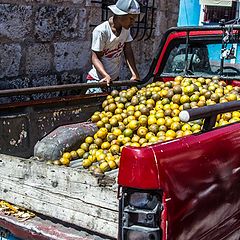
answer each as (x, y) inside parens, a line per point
(104, 40)
(226, 3)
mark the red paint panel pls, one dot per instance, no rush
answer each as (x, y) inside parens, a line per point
(138, 164)
(200, 177)
(236, 83)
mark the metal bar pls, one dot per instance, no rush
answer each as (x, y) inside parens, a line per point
(64, 87)
(201, 28)
(145, 23)
(138, 27)
(51, 101)
(186, 54)
(209, 123)
(209, 111)
(151, 26)
(223, 44)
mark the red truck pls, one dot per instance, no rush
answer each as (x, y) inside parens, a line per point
(186, 188)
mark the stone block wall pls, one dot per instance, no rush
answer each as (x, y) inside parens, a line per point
(47, 42)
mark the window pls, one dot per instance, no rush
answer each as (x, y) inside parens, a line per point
(213, 14)
(204, 59)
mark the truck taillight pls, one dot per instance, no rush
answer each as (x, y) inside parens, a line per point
(140, 215)
(140, 235)
(143, 200)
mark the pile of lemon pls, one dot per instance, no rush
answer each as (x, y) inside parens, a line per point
(141, 117)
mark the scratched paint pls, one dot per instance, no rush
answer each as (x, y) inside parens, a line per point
(77, 111)
(22, 135)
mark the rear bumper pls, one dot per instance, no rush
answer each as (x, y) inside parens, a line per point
(41, 229)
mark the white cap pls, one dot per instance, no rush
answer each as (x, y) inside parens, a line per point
(123, 7)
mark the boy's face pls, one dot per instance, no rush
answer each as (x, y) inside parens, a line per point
(128, 20)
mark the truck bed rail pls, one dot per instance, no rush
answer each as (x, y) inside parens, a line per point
(64, 87)
(209, 113)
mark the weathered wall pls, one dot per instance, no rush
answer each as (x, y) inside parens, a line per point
(47, 42)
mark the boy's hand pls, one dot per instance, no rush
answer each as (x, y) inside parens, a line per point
(106, 79)
(135, 78)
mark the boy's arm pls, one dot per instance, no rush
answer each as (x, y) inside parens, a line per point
(129, 56)
(96, 61)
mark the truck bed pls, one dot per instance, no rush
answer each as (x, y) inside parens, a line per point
(71, 195)
(62, 193)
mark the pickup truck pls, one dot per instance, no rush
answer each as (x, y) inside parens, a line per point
(187, 188)
(184, 188)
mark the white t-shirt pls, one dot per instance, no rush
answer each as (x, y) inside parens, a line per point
(103, 39)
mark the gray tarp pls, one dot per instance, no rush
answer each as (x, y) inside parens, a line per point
(64, 138)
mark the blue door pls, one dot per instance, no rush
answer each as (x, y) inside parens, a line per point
(189, 13)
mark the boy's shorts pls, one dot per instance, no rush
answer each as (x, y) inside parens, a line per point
(93, 90)
(90, 79)
(98, 90)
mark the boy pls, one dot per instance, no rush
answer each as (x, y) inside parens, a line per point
(112, 38)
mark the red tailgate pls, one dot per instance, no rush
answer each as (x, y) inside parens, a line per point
(199, 175)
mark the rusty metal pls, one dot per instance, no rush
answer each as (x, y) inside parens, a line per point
(58, 100)
(78, 86)
(22, 125)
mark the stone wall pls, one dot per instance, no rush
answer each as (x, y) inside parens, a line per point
(47, 42)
